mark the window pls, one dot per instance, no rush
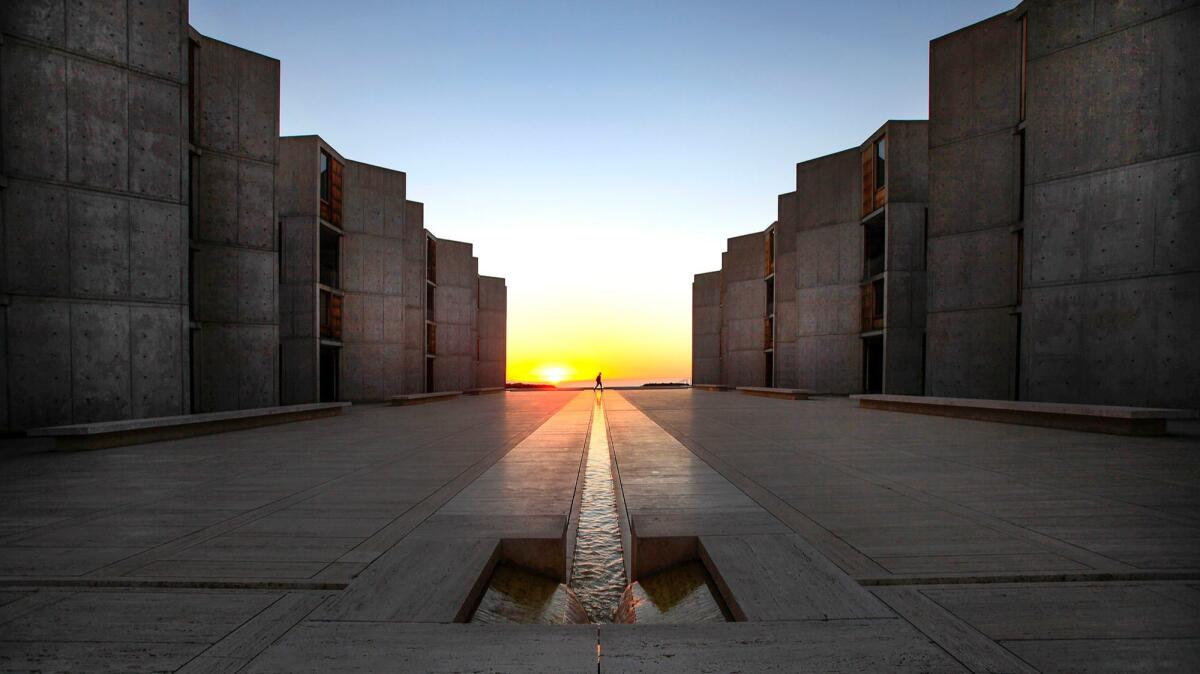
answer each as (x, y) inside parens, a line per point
(1020, 284)
(770, 296)
(1024, 57)
(881, 162)
(430, 260)
(331, 243)
(877, 290)
(429, 295)
(326, 177)
(874, 241)
(330, 370)
(331, 315)
(430, 339)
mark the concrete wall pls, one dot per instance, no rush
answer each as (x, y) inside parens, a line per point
(93, 211)
(373, 366)
(828, 270)
(234, 268)
(413, 380)
(1112, 292)
(299, 211)
(787, 372)
(455, 307)
(744, 309)
(973, 174)
(492, 333)
(706, 328)
(905, 213)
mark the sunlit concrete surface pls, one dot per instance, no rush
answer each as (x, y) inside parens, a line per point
(848, 540)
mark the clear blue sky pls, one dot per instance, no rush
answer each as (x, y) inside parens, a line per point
(597, 153)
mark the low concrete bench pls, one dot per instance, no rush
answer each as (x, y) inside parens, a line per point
(785, 393)
(712, 387)
(421, 398)
(1094, 418)
(136, 431)
(484, 391)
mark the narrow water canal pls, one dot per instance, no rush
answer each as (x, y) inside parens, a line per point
(598, 576)
(597, 590)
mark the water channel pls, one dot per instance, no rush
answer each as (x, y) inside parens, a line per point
(597, 591)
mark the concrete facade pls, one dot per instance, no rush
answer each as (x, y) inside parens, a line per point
(93, 197)
(974, 175)
(455, 312)
(1062, 253)
(743, 311)
(140, 271)
(234, 248)
(357, 280)
(828, 274)
(794, 308)
(493, 332)
(706, 328)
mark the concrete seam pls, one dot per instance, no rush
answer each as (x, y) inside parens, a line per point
(38, 44)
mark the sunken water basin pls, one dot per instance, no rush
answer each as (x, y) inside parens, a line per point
(597, 591)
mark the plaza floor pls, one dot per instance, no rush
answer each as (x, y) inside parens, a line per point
(843, 540)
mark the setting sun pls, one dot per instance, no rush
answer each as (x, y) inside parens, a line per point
(552, 374)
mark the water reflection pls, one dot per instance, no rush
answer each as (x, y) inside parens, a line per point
(598, 575)
(679, 594)
(597, 588)
(517, 595)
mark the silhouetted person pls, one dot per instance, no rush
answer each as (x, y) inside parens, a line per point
(599, 383)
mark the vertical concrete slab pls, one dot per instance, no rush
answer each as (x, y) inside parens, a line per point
(97, 28)
(455, 314)
(97, 125)
(493, 332)
(99, 233)
(34, 106)
(236, 268)
(36, 239)
(706, 328)
(157, 360)
(155, 43)
(786, 285)
(155, 146)
(973, 175)
(39, 362)
(156, 241)
(744, 311)
(101, 369)
(828, 254)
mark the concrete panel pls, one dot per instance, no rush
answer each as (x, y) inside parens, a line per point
(298, 238)
(257, 349)
(155, 42)
(706, 328)
(907, 161)
(973, 184)
(1064, 23)
(393, 320)
(217, 197)
(36, 240)
(971, 353)
(903, 362)
(363, 318)
(218, 74)
(905, 300)
(362, 372)
(97, 119)
(39, 363)
(827, 190)
(830, 363)
(296, 188)
(906, 236)
(1123, 342)
(156, 267)
(100, 364)
(156, 138)
(215, 278)
(299, 377)
(99, 227)
(256, 284)
(972, 270)
(258, 104)
(97, 28)
(256, 204)
(973, 80)
(42, 21)
(34, 106)
(156, 356)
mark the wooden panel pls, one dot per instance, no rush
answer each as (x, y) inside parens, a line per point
(868, 179)
(880, 197)
(335, 192)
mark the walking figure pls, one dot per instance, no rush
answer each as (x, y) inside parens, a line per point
(599, 383)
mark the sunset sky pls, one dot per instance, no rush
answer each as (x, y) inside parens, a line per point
(597, 154)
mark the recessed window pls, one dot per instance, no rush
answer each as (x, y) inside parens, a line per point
(881, 162)
(326, 177)
(331, 258)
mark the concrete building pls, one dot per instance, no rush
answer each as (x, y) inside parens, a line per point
(138, 266)
(373, 305)
(1064, 263)
(831, 297)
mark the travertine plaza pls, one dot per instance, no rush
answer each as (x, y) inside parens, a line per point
(248, 429)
